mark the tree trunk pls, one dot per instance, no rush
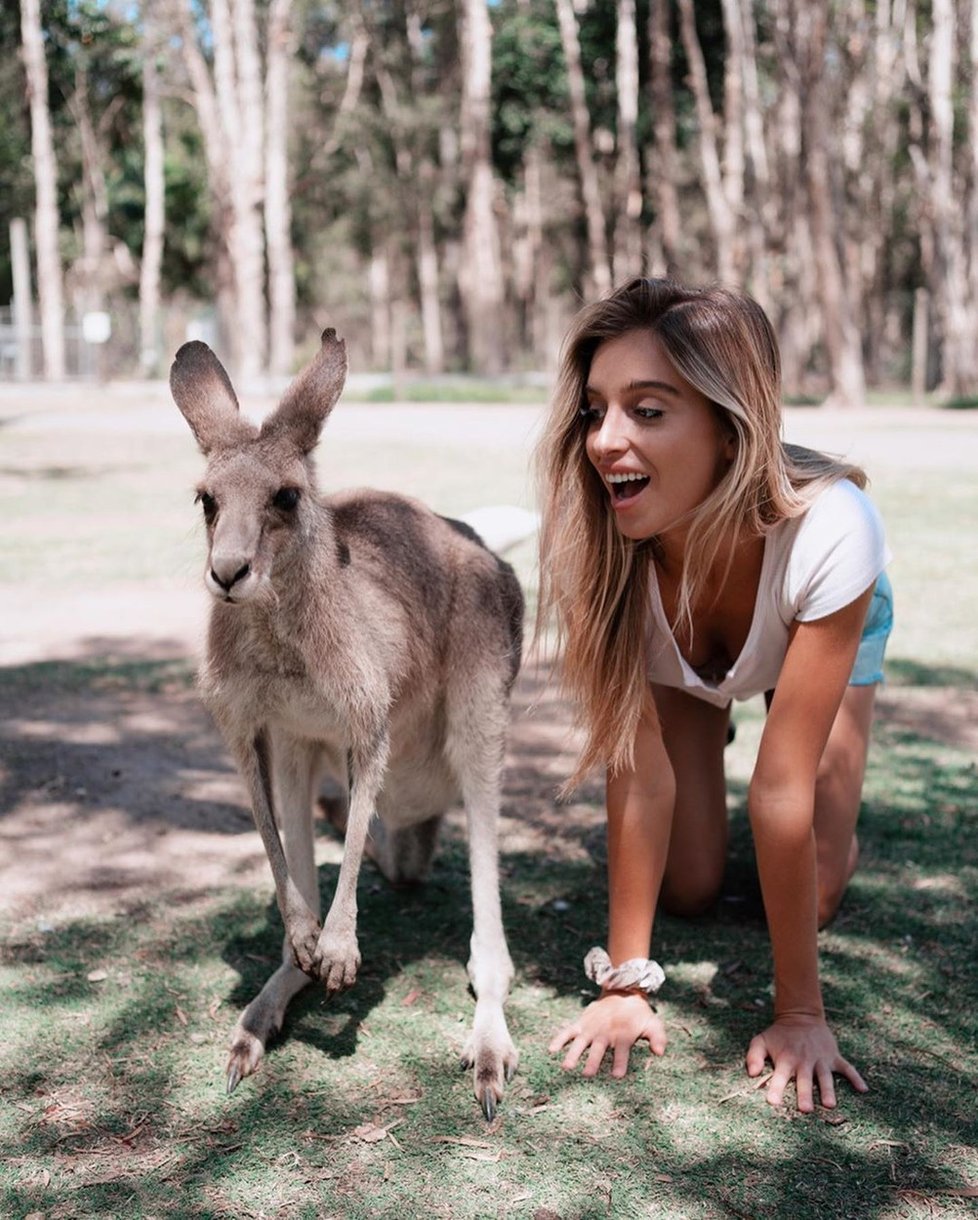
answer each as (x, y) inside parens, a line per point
(665, 174)
(428, 276)
(972, 228)
(50, 289)
(628, 189)
(154, 214)
(278, 210)
(380, 306)
(722, 217)
(481, 281)
(89, 269)
(760, 213)
(424, 186)
(598, 265)
(960, 366)
(230, 113)
(842, 337)
(20, 269)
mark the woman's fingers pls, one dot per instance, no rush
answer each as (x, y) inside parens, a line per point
(803, 1089)
(595, 1055)
(826, 1086)
(560, 1039)
(619, 1064)
(756, 1055)
(655, 1031)
(577, 1049)
(844, 1068)
(779, 1080)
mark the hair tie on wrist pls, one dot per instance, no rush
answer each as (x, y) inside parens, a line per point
(636, 972)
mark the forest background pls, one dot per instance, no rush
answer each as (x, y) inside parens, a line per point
(446, 181)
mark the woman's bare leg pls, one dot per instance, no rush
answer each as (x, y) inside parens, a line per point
(694, 733)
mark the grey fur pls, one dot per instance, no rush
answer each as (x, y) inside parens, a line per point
(357, 635)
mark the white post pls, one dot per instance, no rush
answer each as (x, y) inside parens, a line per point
(20, 261)
(918, 371)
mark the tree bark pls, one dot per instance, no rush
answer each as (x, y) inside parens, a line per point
(960, 365)
(155, 204)
(722, 216)
(665, 173)
(842, 337)
(230, 112)
(599, 268)
(628, 186)
(50, 290)
(481, 282)
(89, 269)
(278, 209)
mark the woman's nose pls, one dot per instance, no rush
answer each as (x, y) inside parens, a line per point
(609, 437)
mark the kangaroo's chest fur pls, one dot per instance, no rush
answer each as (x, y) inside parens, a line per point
(357, 645)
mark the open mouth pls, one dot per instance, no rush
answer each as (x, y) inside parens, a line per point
(626, 486)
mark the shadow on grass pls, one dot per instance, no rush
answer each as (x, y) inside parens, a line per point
(901, 671)
(116, 1028)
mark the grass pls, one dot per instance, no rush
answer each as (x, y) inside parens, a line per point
(115, 1021)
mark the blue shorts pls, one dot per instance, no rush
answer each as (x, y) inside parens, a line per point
(868, 668)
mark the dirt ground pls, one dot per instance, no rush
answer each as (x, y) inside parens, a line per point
(115, 785)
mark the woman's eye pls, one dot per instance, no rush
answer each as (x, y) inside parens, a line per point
(286, 499)
(648, 412)
(590, 415)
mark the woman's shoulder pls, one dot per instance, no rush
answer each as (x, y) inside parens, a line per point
(834, 550)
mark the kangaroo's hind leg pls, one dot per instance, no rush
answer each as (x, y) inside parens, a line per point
(475, 748)
(295, 767)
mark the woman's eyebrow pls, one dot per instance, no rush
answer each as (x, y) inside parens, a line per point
(632, 386)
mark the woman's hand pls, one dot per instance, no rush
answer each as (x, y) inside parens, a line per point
(803, 1048)
(614, 1022)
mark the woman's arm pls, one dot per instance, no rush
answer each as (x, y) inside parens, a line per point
(640, 805)
(781, 803)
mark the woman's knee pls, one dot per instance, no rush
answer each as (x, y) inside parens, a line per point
(693, 891)
(835, 871)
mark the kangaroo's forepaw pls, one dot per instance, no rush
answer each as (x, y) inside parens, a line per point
(337, 961)
(493, 1060)
(304, 937)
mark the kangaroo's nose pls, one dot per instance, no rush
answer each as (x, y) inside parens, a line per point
(227, 582)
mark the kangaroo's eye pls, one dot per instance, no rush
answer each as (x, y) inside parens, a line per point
(286, 499)
(208, 504)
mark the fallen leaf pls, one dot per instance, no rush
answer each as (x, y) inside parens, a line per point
(181, 1015)
(97, 976)
(751, 1088)
(412, 996)
(369, 1133)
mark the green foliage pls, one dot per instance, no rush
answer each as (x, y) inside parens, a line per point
(529, 85)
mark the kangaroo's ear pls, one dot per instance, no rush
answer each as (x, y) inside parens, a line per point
(203, 392)
(310, 398)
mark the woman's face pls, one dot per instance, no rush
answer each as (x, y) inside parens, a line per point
(656, 442)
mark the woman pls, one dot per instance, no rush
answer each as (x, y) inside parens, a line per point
(690, 558)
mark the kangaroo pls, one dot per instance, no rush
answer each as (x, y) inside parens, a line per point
(357, 635)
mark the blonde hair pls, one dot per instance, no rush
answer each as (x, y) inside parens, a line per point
(594, 581)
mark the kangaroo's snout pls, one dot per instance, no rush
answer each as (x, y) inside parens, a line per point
(226, 582)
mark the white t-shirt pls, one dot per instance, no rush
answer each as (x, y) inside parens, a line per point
(813, 565)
